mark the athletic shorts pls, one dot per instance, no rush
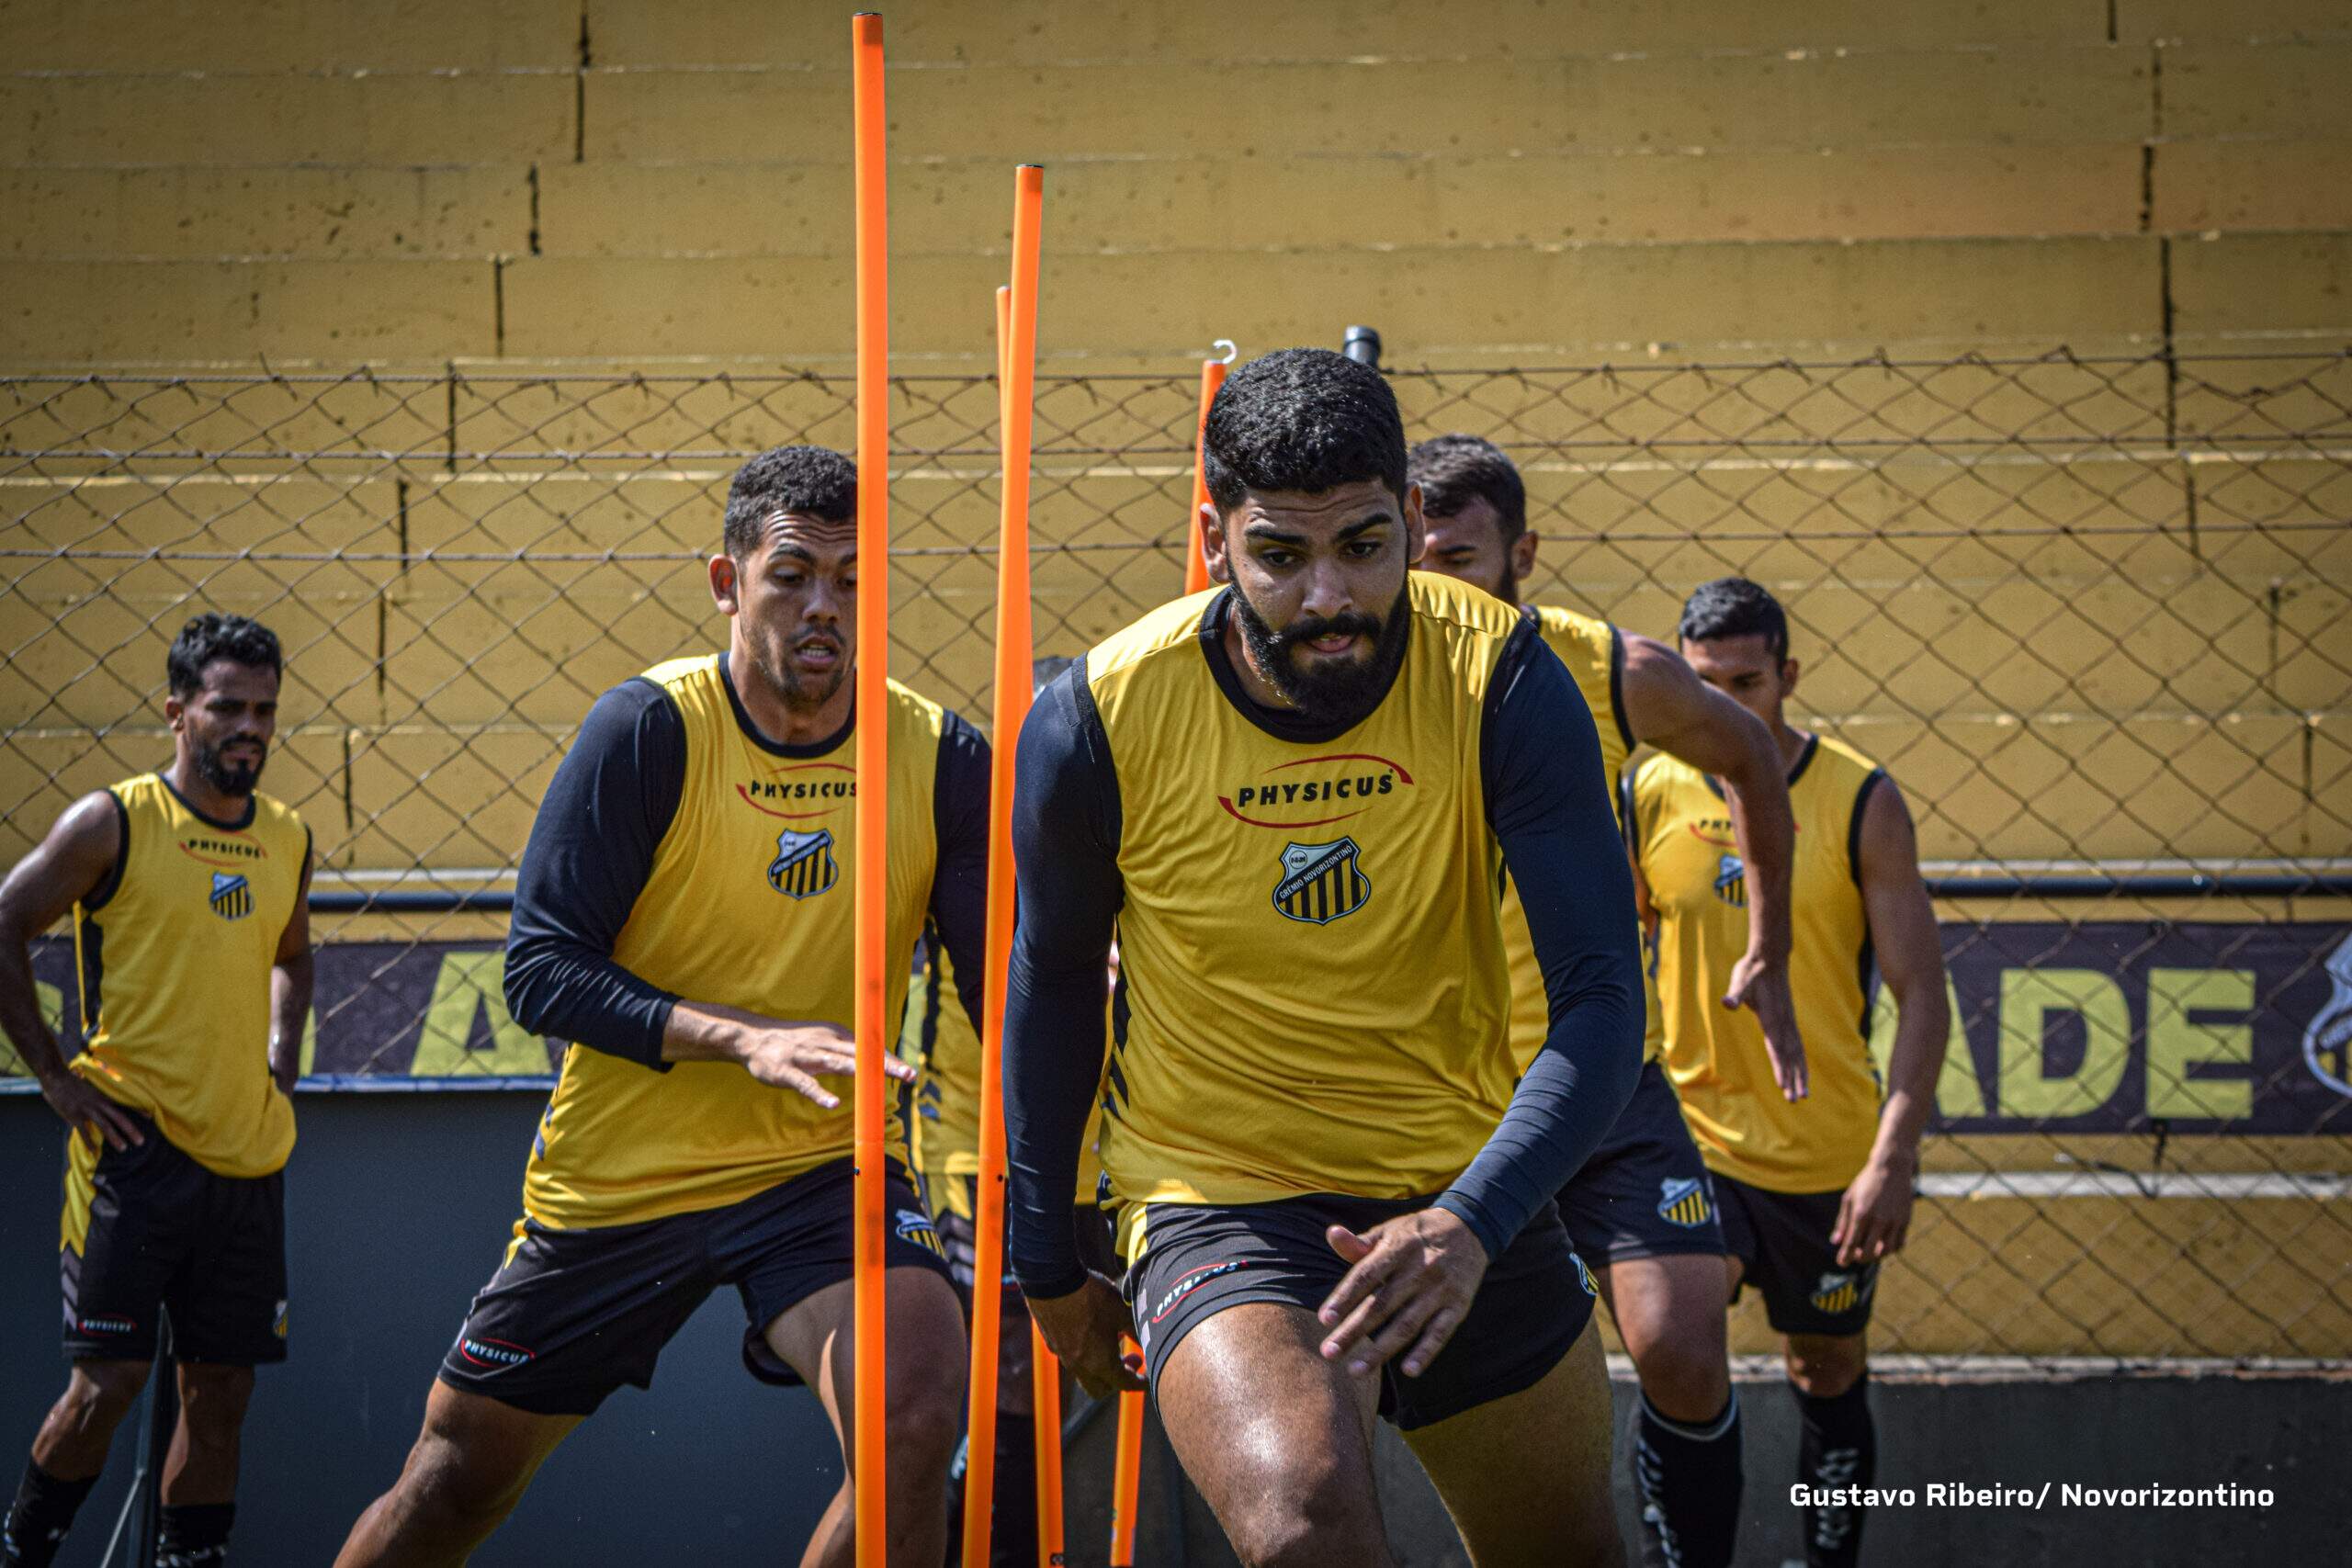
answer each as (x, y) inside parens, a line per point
(572, 1315)
(1198, 1259)
(955, 1207)
(161, 1233)
(1645, 1193)
(1782, 1241)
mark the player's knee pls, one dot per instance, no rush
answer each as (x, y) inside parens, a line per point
(1687, 1380)
(926, 1421)
(102, 1393)
(1824, 1366)
(213, 1402)
(1307, 1516)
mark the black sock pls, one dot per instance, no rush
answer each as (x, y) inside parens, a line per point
(1839, 1448)
(194, 1535)
(40, 1517)
(1688, 1481)
(1012, 1531)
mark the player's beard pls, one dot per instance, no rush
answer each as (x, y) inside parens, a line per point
(798, 691)
(1332, 695)
(231, 778)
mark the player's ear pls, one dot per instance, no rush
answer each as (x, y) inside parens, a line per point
(1522, 557)
(174, 710)
(1788, 677)
(724, 583)
(1212, 544)
(1416, 526)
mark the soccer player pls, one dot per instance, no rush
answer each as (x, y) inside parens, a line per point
(1812, 1193)
(1296, 795)
(682, 919)
(193, 946)
(1639, 1209)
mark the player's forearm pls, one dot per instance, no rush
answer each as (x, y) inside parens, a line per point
(566, 991)
(705, 1032)
(292, 983)
(1053, 1059)
(1913, 1066)
(20, 1010)
(1766, 829)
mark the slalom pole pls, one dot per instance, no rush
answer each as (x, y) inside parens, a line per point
(1127, 1474)
(1016, 367)
(1045, 1399)
(1196, 563)
(871, 901)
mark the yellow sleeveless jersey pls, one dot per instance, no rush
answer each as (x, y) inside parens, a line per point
(748, 905)
(1595, 655)
(1683, 842)
(174, 952)
(938, 1037)
(1363, 866)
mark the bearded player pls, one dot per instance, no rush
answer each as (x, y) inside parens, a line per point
(1295, 795)
(192, 944)
(1815, 1193)
(1639, 1210)
(682, 919)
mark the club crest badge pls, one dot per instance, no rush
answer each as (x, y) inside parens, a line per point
(1683, 1202)
(915, 1226)
(2327, 1039)
(1321, 882)
(1841, 1293)
(233, 896)
(1730, 881)
(803, 865)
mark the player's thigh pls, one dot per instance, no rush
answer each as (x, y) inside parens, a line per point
(924, 1362)
(1670, 1312)
(1277, 1439)
(1526, 1477)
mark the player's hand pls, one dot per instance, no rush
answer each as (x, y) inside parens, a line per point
(1084, 1328)
(85, 1110)
(1762, 987)
(1875, 1216)
(794, 1055)
(1408, 1286)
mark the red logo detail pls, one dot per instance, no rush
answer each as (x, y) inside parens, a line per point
(1349, 788)
(1187, 1283)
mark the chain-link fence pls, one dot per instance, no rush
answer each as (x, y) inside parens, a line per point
(2090, 614)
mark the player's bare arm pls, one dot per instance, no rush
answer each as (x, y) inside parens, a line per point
(291, 979)
(1875, 1217)
(66, 867)
(1670, 709)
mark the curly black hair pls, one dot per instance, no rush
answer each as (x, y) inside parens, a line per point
(239, 638)
(815, 480)
(1302, 419)
(1733, 606)
(1454, 470)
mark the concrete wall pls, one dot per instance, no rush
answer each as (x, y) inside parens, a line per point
(420, 179)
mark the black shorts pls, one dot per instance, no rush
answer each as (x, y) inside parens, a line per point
(1645, 1193)
(1782, 1239)
(161, 1233)
(571, 1315)
(955, 1207)
(1198, 1259)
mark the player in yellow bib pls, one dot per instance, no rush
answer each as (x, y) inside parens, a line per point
(193, 951)
(1295, 796)
(1813, 1193)
(1640, 1211)
(682, 920)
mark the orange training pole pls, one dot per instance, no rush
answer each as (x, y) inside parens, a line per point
(1126, 1474)
(1016, 367)
(1045, 1386)
(871, 1463)
(1196, 564)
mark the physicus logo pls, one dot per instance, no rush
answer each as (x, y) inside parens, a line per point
(1321, 882)
(803, 865)
(2327, 1039)
(1314, 792)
